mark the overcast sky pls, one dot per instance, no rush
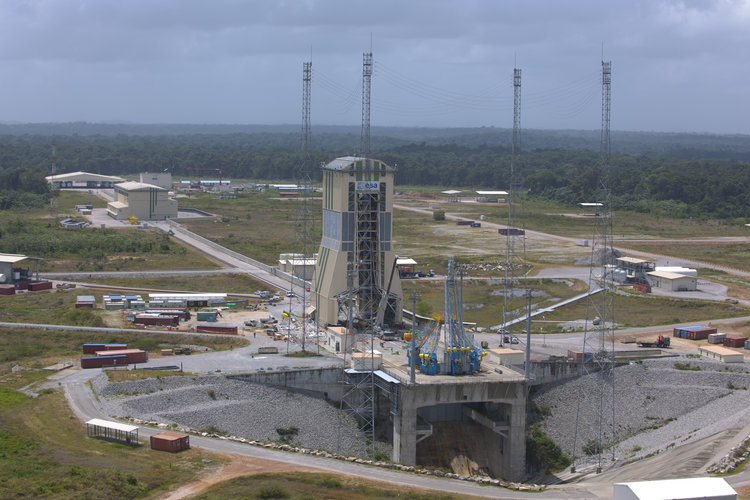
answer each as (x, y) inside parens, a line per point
(676, 65)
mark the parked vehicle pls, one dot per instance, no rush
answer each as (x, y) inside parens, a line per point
(661, 341)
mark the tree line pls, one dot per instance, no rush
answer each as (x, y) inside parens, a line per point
(708, 180)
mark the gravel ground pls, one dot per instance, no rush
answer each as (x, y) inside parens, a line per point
(243, 409)
(656, 406)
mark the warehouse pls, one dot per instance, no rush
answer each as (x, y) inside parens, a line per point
(143, 201)
(673, 282)
(82, 180)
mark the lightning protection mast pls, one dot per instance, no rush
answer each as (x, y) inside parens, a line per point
(364, 280)
(515, 243)
(595, 414)
(305, 218)
(364, 146)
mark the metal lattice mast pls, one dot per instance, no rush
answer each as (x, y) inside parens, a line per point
(305, 216)
(595, 416)
(366, 285)
(364, 146)
(515, 245)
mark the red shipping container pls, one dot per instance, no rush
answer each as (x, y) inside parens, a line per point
(734, 341)
(170, 441)
(7, 290)
(227, 330)
(102, 361)
(145, 319)
(40, 285)
(131, 355)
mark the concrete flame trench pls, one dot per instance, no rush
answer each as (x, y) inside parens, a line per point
(479, 417)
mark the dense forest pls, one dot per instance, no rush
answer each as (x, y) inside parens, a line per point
(687, 175)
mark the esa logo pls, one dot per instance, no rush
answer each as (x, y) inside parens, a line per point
(368, 185)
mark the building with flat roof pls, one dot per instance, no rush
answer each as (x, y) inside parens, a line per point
(673, 282)
(161, 179)
(82, 180)
(144, 201)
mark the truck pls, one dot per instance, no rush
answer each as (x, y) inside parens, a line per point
(464, 222)
(661, 341)
(511, 231)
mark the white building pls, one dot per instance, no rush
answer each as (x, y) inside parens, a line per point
(144, 201)
(161, 179)
(673, 282)
(82, 180)
(710, 488)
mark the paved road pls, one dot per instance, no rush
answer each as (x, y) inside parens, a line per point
(224, 256)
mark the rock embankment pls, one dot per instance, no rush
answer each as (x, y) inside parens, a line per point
(657, 405)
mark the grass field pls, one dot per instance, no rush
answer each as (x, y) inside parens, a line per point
(565, 220)
(44, 453)
(635, 310)
(37, 348)
(259, 225)
(734, 255)
(36, 234)
(301, 485)
(483, 299)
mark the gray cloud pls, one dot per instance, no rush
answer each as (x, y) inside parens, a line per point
(677, 65)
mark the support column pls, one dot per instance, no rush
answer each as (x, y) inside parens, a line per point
(514, 454)
(405, 435)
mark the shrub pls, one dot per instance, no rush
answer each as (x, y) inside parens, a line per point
(271, 491)
(287, 434)
(542, 453)
(593, 447)
(687, 366)
(438, 215)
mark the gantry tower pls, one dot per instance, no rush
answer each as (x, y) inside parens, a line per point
(596, 403)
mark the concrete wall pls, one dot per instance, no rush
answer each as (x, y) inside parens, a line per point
(322, 382)
(546, 372)
(507, 443)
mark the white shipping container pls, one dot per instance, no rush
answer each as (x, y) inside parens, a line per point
(716, 338)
